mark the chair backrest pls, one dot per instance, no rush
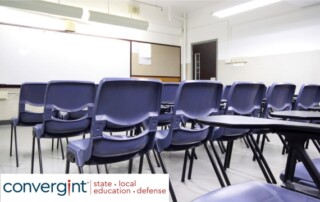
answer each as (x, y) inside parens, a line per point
(245, 98)
(31, 93)
(198, 98)
(308, 96)
(122, 102)
(169, 91)
(68, 97)
(279, 98)
(225, 93)
(195, 99)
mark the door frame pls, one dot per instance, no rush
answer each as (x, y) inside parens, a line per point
(192, 57)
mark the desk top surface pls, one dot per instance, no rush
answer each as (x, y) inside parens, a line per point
(306, 115)
(315, 108)
(232, 121)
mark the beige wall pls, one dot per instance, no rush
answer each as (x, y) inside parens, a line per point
(165, 61)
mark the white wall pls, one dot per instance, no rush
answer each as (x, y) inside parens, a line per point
(283, 48)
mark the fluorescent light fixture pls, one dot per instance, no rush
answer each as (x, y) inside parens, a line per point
(118, 20)
(243, 7)
(74, 12)
(45, 7)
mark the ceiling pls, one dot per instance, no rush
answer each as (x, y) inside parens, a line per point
(177, 5)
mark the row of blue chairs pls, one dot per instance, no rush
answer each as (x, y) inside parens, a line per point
(278, 97)
(74, 108)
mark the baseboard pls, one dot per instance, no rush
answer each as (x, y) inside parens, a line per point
(4, 122)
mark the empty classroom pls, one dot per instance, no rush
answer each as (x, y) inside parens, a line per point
(223, 96)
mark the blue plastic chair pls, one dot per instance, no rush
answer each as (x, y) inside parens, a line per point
(30, 94)
(194, 99)
(168, 96)
(244, 99)
(308, 96)
(225, 92)
(279, 98)
(63, 97)
(254, 192)
(120, 102)
(169, 92)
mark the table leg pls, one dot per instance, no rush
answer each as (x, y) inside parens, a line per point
(296, 146)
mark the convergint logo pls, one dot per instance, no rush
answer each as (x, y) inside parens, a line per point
(84, 187)
(58, 188)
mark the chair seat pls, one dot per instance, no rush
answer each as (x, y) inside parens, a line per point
(254, 192)
(301, 174)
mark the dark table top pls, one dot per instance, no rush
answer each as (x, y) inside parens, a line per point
(232, 121)
(303, 115)
(315, 108)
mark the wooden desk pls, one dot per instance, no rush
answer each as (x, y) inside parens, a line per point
(296, 133)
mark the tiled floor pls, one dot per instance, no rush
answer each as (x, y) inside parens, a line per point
(203, 180)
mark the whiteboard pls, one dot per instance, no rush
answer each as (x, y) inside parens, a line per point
(33, 55)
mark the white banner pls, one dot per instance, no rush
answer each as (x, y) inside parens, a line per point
(85, 187)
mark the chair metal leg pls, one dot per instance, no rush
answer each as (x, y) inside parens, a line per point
(67, 166)
(227, 159)
(226, 178)
(61, 145)
(52, 144)
(263, 135)
(264, 138)
(173, 195)
(98, 169)
(316, 144)
(164, 169)
(32, 153)
(307, 144)
(259, 162)
(222, 147)
(258, 139)
(156, 158)
(16, 146)
(106, 167)
(11, 139)
(150, 163)
(141, 164)
(184, 165)
(245, 141)
(260, 156)
(191, 163)
(216, 170)
(267, 138)
(80, 169)
(285, 146)
(40, 156)
(130, 166)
